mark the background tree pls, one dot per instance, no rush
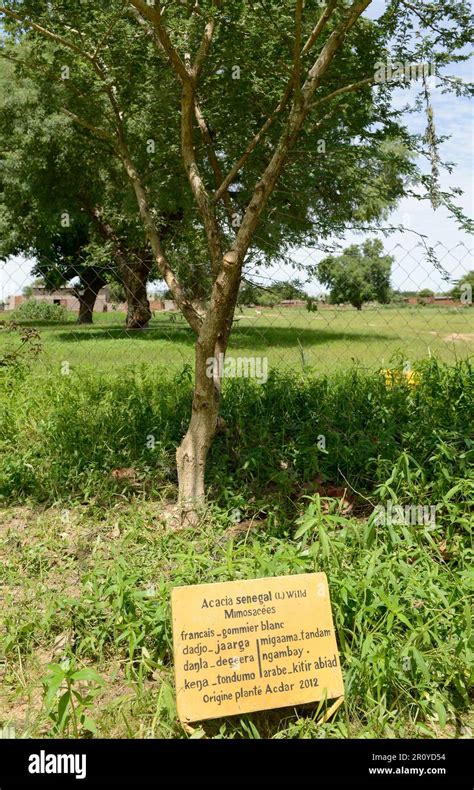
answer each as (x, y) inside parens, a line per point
(464, 288)
(62, 204)
(250, 293)
(361, 274)
(28, 289)
(272, 109)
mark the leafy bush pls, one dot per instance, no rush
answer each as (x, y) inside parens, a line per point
(69, 708)
(63, 436)
(34, 310)
(100, 585)
(18, 354)
(400, 601)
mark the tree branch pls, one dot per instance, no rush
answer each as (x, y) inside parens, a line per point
(331, 47)
(420, 16)
(320, 25)
(191, 312)
(154, 15)
(341, 91)
(198, 188)
(102, 133)
(298, 112)
(213, 159)
(296, 71)
(193, 9)
(205, 46)
(318, 69)
(234, 171)
(189, 109)
(149, 29)
(108, 32)
(47, 33)
(254, 142)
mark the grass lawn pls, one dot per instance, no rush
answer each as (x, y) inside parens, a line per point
(87, 560)
(327, 340)
(94, 585)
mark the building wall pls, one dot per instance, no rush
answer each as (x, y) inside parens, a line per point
(63, 296)
(293, 303)
(15, 301)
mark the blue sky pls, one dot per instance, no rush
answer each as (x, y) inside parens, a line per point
(454, 248)
(412, 271)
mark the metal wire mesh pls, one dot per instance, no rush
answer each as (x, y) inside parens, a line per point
(296, 334)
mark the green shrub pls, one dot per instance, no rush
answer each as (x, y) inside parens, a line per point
(400, 593)
(400, 601)
(22, 347)
(34, 310)
(62, 436)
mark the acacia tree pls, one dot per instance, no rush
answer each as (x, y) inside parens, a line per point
(360, 274)
(248, 94)
(47, 172)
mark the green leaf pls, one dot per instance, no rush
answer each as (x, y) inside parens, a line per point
(421, 664)
(52, 686)
(468, 619)
(88, 674)
(63, 706)
(306, 525)
(441, 712)
(325, 543)
(88, 724)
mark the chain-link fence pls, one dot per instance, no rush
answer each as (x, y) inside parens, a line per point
(285, 318)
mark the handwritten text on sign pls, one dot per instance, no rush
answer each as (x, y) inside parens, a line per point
(253, 645)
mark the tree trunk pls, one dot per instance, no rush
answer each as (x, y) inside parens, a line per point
(191, 457)
(192, 453)
(134, 269)
(86, 306)
(88, 297)
(135, 278)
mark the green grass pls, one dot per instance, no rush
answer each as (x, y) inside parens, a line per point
(64, 436)
(330, 339)
(87, 563)
(96, 590)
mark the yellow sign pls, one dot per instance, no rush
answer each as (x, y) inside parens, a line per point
(253, 645)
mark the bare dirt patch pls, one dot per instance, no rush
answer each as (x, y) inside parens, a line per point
(15, 518)
(459, 336)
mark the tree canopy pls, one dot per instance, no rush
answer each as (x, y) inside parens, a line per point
(61, 202)
(361, 274)
(321, 192)
(261, 125)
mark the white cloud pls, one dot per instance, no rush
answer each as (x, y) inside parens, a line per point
(14, 275)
